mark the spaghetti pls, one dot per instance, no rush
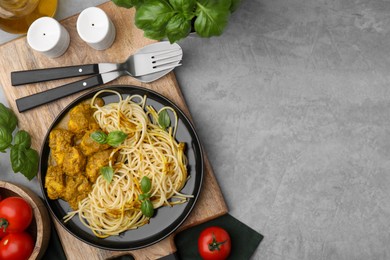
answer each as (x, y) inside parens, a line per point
(149, 150)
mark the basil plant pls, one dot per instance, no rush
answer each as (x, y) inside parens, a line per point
(175, 19)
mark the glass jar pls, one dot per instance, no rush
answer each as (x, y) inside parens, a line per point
(16, 16)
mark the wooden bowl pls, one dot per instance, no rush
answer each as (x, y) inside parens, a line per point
(40, 225)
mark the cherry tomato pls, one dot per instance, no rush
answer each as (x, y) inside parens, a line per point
(214, 243)
(2, 233)
(16, 246)
(2, 230)
(15, 214)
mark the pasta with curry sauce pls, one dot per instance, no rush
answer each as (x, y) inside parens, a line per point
(148, 150)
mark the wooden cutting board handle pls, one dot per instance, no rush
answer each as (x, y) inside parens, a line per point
(161, 249)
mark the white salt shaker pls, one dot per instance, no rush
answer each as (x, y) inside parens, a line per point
(96, 28)
(49, 37)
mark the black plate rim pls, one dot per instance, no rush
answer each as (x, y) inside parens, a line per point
(172, 228)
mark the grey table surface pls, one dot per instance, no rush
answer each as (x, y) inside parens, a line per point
(292, 104)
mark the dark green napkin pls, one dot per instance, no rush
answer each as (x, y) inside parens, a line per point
(244, 239)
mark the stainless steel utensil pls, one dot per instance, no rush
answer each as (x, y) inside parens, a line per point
(162, 66)
(152, 77)
(164, 56)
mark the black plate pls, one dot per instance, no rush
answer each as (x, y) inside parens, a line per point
(166, 219)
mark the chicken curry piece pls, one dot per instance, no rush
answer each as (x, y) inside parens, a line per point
(75, 158)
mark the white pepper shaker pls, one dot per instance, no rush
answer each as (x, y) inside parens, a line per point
(48, 36)
(95, 28)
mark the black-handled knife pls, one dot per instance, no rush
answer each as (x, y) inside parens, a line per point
(41, 75)
(47, 96)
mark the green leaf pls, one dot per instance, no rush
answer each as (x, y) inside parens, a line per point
(127, 3)
(147, 208)
(99, 136)
(17, 157)
(8, 118)
(163, 119)
(23, 139)
(115, 138)
(212, 17)
(153, 16)
(107, 172)
(31, 165)
(146, 184)
(25, 161)
(184, 7)
(5, 138)
(155, 35)
(178, 28)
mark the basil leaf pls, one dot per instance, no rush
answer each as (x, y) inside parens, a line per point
(153, 16)
(212, 17)
(25, 161)
(146, 184)
(5, 138)
(115, 138)
(17, 157)
(163, 119)
(31, 164)
(8, 118)
(155, 35)
(99, 136)
(185, 7)
(107, 172)
(147, 208)
(23, 139)
(178, 28)
(127, 3)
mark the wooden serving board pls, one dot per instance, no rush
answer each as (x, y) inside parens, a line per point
(16, 55)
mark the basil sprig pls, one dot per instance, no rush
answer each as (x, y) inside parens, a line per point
(146, 205)
(23, 158)
(173, 19)
(114, 138)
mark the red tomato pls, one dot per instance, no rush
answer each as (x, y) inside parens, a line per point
(214, 243)
(2, 233)
(16, 246)
(15, 214)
